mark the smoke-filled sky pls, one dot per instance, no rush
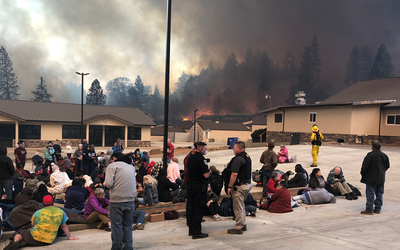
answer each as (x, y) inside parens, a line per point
(56, 38)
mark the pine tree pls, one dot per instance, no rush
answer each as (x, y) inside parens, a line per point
(366, 61)
(382, 66)
(8, 79)
(41, 94)
(353, 67)
(95, 95)
(157, 103)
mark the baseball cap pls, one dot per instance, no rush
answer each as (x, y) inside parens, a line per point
(47, 200)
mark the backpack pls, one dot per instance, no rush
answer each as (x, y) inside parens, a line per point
(225, 207)
(257, 175)
(226, 177)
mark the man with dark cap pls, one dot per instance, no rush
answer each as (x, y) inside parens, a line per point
(270, 161)
(373, 172)
(197, 197)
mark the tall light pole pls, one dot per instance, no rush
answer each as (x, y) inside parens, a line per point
(194, 123)
(166, 95)
(270, 100)
(82, 74)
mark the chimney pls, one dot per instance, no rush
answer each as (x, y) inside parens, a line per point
(300, 100)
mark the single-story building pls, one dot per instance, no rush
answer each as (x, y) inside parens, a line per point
(221, 131)
(365, 111)
(39, 122)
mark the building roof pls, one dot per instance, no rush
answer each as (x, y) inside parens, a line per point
(71, 113)
(230, 117)
(186, 124)
(380, 91)
(222, 126)
(370, 91)
(259, 121)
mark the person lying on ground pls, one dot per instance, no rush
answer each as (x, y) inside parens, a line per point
(44, 228)
(319, 196)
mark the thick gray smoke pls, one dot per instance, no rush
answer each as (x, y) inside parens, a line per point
(55, 38)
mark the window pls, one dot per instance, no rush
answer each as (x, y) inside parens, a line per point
(278, 118)
(134, 133)
(73, 132)
(29, 132)
(313, 117)
(393, 120)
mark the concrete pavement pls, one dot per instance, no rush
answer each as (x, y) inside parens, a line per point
(327, 226)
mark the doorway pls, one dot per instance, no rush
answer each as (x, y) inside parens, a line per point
(113, 133)
(96, 135)
(7, 134)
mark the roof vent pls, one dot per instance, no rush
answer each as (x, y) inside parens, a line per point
(300, 100)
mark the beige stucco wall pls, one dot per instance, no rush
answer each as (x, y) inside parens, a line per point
(222, 135)
(7, 119)
(146, 133)
(107, 121)
(272, 126)
(365, 120)
(49, 130)
(389, 130)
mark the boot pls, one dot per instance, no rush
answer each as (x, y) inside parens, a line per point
(354, 196)
(349, 197)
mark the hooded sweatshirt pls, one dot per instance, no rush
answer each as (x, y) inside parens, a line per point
(6, 165)
(24, 196)
(300, 179)
(40, 193)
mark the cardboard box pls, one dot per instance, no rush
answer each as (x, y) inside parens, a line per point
(156, 217)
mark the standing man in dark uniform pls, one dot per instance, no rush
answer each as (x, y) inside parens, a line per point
(197, 195)
(239, 185)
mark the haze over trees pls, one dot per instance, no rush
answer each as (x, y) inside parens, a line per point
(382, 66)
(41, 94)
(8, 79)
(95, 95)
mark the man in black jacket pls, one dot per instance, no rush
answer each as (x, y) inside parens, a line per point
(197, 195)
(6, 172)
(373, 173)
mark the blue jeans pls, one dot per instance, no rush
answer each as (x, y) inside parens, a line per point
(7, 185)
(148, 196)
(121, 217)
(250, 209)
(138, 216)
(266, 174)
(374, 197)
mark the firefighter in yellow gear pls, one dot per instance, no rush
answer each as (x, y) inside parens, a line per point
(316, 138)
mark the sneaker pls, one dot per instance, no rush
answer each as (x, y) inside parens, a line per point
(235, 231)
(219, 217)
(354, 196)
(134, 227)
(108, 229)
(140, 226)
(296, 204)
(365, 212)
(377, 212)
(253, 214)
(15, 245)
(244, 228)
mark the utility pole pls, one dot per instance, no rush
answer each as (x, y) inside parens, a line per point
(81, 132)
(167, 69)
(194, 123)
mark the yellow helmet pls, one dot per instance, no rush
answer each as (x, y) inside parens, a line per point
(315, 128)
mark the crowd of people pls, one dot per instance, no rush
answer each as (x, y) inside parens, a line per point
(107, 188)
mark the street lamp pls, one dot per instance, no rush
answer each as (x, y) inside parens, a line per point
(270, 100)
(82, 74)
(194, 130)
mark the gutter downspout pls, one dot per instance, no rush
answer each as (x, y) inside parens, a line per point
(380, 121)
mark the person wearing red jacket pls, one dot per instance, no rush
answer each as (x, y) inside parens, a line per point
(273, 183)
(280, 200)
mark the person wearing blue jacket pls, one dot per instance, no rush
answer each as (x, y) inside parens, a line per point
(89, 158)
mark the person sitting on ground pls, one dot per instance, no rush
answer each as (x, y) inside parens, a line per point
(57, 181)
(25, 173)
(76, 195)
(146, 155)
(138, 217)
(32, 182)
(24, 196)
(216, 181)
(67, 180)
(167, 190)
(283, 155)
(45, 225)
(273, 183)
(37, 161)
(173, 171)
(43, 175)
(115, 148)
(318, 196)
(251, 206)
(280, 200)
(338, 183)
(300, 179)
(150, 191)
(40, 193)
(18, 183)
(97, 209)
(316, 179)
(212, 203)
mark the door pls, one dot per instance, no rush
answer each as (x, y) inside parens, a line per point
(7, 134)
(113, 133)
(96, 135)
